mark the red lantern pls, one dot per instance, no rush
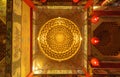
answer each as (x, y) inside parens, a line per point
(94, 62)
(94, 19)
(43, 1)
(75, 1)
(95, 40)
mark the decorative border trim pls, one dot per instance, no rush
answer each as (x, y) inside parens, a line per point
(9, 23)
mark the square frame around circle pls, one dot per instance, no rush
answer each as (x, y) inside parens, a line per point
(43, 65)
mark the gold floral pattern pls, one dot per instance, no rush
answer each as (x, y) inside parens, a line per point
(59, 39)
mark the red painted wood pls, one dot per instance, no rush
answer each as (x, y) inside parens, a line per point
(108, 65)
(30, 3)
(106, 13)
(88, 4)
(30, 74)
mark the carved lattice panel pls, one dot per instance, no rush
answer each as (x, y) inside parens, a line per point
(59, 40)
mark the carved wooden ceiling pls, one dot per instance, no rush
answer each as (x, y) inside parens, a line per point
(83, 2)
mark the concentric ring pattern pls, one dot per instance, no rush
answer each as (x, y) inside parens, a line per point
(59, 39)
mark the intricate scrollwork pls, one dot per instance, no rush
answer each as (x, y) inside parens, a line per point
(59, 39)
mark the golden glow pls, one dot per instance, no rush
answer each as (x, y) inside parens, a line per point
(37, 66)
(3, 2)
(38, 39)
(98, 7)
(3, 10)
(59, 39)
(81, 38)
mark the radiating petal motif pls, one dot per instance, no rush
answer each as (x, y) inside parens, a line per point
(59, 39)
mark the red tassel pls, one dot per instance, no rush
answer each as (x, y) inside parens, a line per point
(30, 4)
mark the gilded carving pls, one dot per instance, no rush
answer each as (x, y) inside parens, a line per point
(59, 39)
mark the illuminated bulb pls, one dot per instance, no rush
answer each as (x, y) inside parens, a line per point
(75, 1)
(43, 1)
(94, 19)
(95, 40)
(94, 62)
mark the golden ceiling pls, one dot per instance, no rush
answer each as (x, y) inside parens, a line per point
(59, 39)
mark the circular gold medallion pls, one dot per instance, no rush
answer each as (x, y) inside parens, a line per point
(59, 39)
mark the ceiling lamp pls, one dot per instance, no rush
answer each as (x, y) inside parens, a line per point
(95, 40)
(43, 1)
(75, 1)
(94, 19)
(94, 62)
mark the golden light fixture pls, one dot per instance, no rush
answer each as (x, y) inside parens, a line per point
(59, 39)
